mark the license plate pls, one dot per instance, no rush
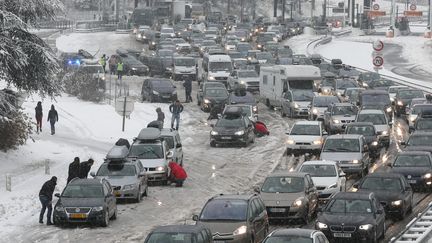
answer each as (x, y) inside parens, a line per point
(303, 147)
(226, 137)
(219, 241)
(342, 235)
(412, 181)
(277, 210)
(117, 193)
(78, 216)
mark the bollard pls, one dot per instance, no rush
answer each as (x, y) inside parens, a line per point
(47, 168)
(8, 183)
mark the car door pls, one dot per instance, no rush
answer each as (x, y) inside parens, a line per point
(407, 193)
(311, 194)
(379, 217)
(109, 198)
(259, 224)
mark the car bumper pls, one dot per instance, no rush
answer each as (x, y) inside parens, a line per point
(228, 139)
(356, 236)
(61, 217)
(126, 194)
(153, 176)
(285, 213)
(165, 98)
(301, 112)
(302, 149)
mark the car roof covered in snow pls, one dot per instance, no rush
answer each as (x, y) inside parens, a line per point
(118, 152)
(149, 133)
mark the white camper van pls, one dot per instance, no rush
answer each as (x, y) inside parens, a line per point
(278, 79)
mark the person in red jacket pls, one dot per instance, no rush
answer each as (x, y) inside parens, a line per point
(178, 174)
(261, 129)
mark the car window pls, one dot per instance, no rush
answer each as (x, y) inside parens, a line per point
(319, 170)
(412, 161)
(344, 110)
(376, 119)
(420, 140)
(361, 130)
(221, 209)
(375, 183)
(239, 122)
(342, 145)
(146, 151)
(170, 237)
(283, 184)
(83, 191)
(170, 141)
(200, 238)
(255, 211)
(289, 239)
(350, 206)
(300, 129)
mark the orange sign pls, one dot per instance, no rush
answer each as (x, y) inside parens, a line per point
(372, 14)
(413, 13)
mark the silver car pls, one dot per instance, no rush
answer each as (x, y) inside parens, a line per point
(249, 78)
(338, 115)
(380, 121)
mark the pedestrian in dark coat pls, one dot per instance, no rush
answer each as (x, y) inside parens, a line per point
(188, 89)
(74, 169)
(176, 108)
(160, 117)
(52, 118)
(45, 197)
(215, 111)
(85, 168)
(39, 115)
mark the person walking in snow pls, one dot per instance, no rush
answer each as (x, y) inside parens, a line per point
(188, 89)
(84, 168)
(120, 69)
(52, 118)
(74, 169)
(45, 197)
(175, 109)
(160, 117)
(39, 115)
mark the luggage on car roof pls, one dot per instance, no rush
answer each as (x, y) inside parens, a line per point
(118, 152)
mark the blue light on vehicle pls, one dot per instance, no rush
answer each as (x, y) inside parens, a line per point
(78, 62)
(69, 62)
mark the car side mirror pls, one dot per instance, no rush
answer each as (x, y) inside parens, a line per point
(174, 86)
(179, 145)
(219, 116)
(92, 174)
(379, 211)
(169, 155)
(195, 217)
(389, 164)
(256, 189)
(57, 195)
(250, 125)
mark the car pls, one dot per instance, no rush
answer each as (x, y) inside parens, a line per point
(233, 128)
(344, 83)
(327, 177)
(350, 150)
(203, 86)
(182, 233)
(391, 189)
(248, 111)
(422, 124)
(249, 78)
(414, 112)
(85, 201)
(184, 68)
(131, 65)
(156, 65)
(264, 57)
(296, 235)
(243, 48)
(367, 129)
(376, 99)
(168, 30)
(305, 137)
(172, 138)
(416, 166)
(127, 178)
(296, 103)
(158, 89)
(366, 77)
(283, 52)
(419, 139)
(393, 89)
(380, 121)
(328, 84)
(152, 151)
(403, 98)
(352, 95)
(242, 97)
(289, 196)
(338, 115)
(380, 84)
(319, 105)
(352, 216)
(213, 96)
(235, 218)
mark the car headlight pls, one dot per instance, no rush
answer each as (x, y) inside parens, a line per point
(213, 133)
(155, 92)
(242, 82)
(153, 43)
(321, 225)
(290, 141)
(254, 108)
(389, 109)
(339, 93)
(211, 78)
(396, 203)
(400, 103)
(206, 101)
(259, 46)
(365, 227)
(297, 203)
(384, 133)
(427, 176)
(134, 68)
(336, 121)
(243, 39)
(296, 106)
(355, 161)
(103, 78)
(160, 168)
(391, 99)
(326, 91)
(59, 208)
(315, 111)
(139, 36)
(129, 187)
(413, 118)
(317, 142)
(98, 209)
(332, 186)
(239, 133)
(374, 143)
(240, 230)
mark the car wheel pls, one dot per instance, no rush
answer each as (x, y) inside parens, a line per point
(212, 144)
(105, 220)
(282, 112)
(138, 198)
(145, 193)
(114, 216)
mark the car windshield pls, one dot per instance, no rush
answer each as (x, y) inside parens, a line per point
(165, 53)
(424, 124)
(161, 83)
(283, 184)
(184, 62)
(221, 209)
(350, 206)
(376, 119)
(165, 237)
(420, 140)
(211, 32)
(319, 170)
(289, 239)
(328, 82)
(114, 169)
(167, 31)
(216, 93)
(412, 160)
(381, 83)
(324, 101)
(353, 94)
(419, 108)
(395, 89)
(92, 69)
(146, 151)
(343, 84)
(243, 47)
(342, 145)
(344, 110)
(238, 122)
(83, 191)
(264, 56)
(380, 183)
(284, 52)
(410, 94)
(361, 130)
(220, 66)
(170, 141)
(375, 99)
(303, 95)
(299, 129)
(247, 74)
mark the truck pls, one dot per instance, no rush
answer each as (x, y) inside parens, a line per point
(219, 68)
(277, 80)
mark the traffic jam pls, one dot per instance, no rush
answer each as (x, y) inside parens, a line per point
(358, 147)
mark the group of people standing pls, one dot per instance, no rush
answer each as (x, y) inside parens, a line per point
(116, 65)
(52, 117)
(175, 108)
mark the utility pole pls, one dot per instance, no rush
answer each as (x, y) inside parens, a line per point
(353, 4)
(393, 14)
(275, 5)
(253, 9)
(283, 10)
(241, 10)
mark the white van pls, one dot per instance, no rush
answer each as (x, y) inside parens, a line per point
(278, 79)
(219, 68)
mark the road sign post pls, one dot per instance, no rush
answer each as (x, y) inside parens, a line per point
(124, 107)
(377, 57)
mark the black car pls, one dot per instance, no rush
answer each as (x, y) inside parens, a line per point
(180, 233)
(352, 217)
(158, 89)
(232, 128)
(376, 99)
(422, 124)
(392, 190)
(85, 201)
(131, 65)
(380, 84)
(296, 235)
(365, 78)
(416, 166)
(245, 97)
(367, 129)
(156, 66)
(419, 139)
(403, 99)
(213, 96)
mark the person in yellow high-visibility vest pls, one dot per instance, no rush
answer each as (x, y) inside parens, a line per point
(120, 69)
(102, 61)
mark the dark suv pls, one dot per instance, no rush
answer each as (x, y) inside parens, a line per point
(158, 89)
(235, 218)
(86, 201)
(403, 99)
(352, 217)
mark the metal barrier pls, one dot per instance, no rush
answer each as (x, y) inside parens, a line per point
(418, 229)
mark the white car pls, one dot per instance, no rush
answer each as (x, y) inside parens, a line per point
(380, 121)
(305, 137)
(327, 176)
